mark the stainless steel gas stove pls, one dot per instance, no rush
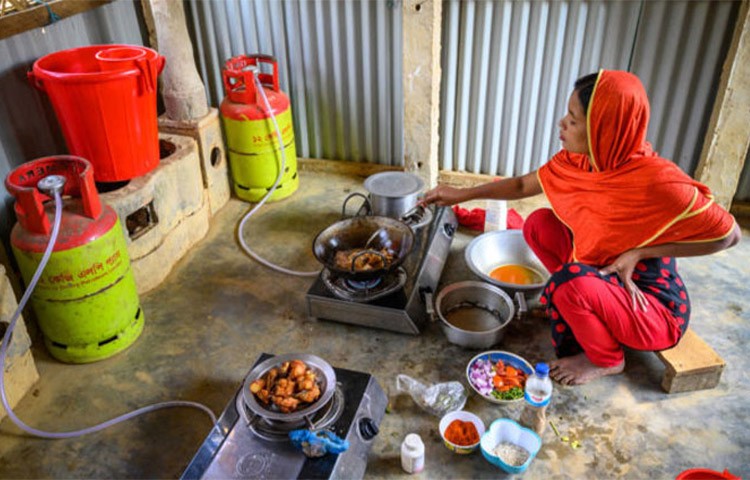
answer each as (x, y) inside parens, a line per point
(396, 302)
(240, 447)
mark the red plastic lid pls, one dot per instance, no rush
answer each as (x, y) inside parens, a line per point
(706, 474)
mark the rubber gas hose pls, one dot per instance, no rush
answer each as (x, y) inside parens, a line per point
(249, 214)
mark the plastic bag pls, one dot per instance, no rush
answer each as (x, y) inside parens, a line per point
(437, 399)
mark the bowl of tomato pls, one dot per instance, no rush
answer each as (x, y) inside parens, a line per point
(498, 376)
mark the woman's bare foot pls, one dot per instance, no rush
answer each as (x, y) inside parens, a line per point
(577, 370)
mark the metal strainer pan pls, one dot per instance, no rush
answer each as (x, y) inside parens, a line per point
(326, 378)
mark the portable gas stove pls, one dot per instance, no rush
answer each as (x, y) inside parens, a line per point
(397, 301)
(240, 447)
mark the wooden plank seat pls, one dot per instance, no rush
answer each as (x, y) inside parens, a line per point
(690, 365)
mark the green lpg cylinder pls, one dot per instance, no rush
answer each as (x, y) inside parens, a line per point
(255, 158)
(85, 302)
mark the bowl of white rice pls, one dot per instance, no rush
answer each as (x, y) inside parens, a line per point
(510, 446)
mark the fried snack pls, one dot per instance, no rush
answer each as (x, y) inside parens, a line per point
(290, 386)
(364, 262)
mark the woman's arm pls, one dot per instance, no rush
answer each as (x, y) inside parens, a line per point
(684, 249)
(505, 189)
(625, 264)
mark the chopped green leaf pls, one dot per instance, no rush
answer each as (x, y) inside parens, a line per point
(513, 394)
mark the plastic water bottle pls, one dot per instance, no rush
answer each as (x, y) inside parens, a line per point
(537, 395)
(496, 215)
(412, 454)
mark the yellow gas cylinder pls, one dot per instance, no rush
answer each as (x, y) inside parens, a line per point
(255, 158)
(86, 302)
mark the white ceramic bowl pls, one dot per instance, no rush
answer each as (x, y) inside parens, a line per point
(506, 430)
(464, 416)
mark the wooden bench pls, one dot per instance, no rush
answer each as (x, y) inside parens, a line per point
(691, 365)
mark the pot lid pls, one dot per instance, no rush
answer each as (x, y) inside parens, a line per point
(394, 184)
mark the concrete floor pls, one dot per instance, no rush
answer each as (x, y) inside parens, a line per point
(219, 310)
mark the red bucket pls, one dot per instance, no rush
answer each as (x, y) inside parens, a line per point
(105, 100)
(706, 474)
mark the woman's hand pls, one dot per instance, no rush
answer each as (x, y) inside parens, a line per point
(623, 266)
(503, 189)
(442, 196)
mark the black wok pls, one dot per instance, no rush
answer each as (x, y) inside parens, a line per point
(381, 232)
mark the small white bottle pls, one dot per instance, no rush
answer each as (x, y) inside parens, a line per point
(496, 215)
(537, 395)
(412, 454)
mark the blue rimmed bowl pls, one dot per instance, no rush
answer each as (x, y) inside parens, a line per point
(505, 430)
(493, 356)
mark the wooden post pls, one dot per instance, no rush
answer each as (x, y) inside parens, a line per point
(728, 137)
(181, 86)
(421, 86)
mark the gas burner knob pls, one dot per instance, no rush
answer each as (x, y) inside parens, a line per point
(449, 229)
(367, 428)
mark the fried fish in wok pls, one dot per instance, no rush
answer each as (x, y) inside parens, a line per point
(369, 260)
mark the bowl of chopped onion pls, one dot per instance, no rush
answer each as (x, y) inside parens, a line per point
(498, 376)
(510, 446)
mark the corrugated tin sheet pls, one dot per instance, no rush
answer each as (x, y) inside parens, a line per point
(682, 74)
(509, 67)
(28, 126)
(339, 62)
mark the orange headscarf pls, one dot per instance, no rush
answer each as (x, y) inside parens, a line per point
(623, 195)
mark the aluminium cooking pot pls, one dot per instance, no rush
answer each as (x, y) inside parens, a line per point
(352, 233)
(390, 194)
(475, 314)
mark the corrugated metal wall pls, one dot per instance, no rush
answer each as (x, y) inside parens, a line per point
(339, 61)
(682, 74)
(28, 126)
(509, 67)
